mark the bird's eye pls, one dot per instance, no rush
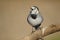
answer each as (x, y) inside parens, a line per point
(32, 9)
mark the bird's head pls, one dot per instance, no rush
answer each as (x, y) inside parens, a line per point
(34, 10)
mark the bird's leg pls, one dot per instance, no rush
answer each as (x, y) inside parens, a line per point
(40, 28)
(42, 33)
(33, 30)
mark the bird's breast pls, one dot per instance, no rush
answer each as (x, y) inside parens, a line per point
(36, 21)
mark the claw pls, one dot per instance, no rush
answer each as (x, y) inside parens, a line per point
(32, 32)
(40, 39)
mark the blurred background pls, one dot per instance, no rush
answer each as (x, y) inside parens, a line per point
(13, 17)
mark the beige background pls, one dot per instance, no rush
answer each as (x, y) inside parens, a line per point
(13, 15)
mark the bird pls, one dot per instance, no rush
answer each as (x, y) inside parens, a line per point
(34, 18)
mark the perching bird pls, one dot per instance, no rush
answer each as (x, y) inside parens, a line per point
(34, 18)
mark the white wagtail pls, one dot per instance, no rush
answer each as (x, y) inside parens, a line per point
(34, 18)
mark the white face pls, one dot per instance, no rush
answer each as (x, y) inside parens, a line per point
(34, 10)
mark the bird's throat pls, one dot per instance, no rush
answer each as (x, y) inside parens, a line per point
(33, 16)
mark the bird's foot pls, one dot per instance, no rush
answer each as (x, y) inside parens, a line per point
(40, 39)
(32, 32)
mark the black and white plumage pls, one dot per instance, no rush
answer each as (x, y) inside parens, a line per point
(34, 18)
